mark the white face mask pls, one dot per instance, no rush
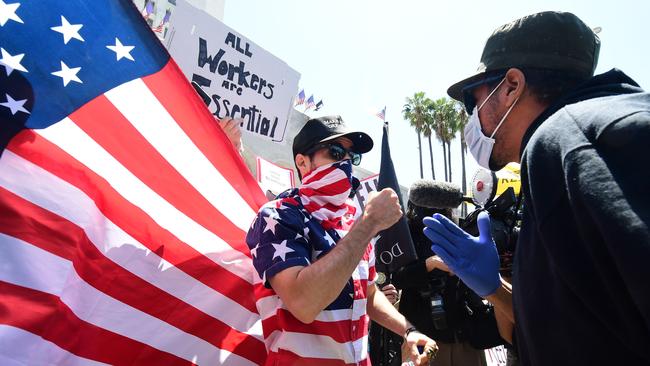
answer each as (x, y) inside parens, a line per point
(480, 145)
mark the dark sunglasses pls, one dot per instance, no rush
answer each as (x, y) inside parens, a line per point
(337, 152)
(468, 97)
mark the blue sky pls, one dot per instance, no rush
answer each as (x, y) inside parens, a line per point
(361, 55)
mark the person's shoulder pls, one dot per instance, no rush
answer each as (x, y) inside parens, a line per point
(598, 116)
(587, 121)
(287, 209)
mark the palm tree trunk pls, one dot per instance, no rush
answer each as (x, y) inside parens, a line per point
(420, 152)
(449, 157)
(464, 174)
(433, 172)
(444, 159)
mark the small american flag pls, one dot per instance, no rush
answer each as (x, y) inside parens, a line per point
(148, 9)
(309, 103)
(164, 21)
(300, 99)
(123, 206)
(382, 114)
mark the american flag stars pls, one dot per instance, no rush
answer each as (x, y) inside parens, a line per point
(281, 250)
(69, 62)
(270, 224)
(15, 105)
(329, 239)
(254, 250)
(68, 74)
(8, 12)
(121, 51)
(69, 31)
(11, 63)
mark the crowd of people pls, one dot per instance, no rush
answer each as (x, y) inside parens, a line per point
(579, 291)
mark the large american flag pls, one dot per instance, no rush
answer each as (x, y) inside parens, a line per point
(123, 207)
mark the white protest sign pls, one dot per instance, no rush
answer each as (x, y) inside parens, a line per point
(241, 78)
(496, 356)
(272, 177)
(360, 198)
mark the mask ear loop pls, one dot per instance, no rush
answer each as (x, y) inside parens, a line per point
(492, 92)
(504, 118)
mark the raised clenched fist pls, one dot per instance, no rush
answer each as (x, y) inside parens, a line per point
(382, 209)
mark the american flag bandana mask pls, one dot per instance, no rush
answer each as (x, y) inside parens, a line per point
(325, 190)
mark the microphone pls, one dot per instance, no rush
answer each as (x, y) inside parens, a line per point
(435, 194)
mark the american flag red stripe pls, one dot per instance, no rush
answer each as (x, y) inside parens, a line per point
(293, 359)
(129, 217)
(66, 330)
(325, 180)
(222, 156)
(152, 169)
(332, 329)
(100, 183)
(70, 242)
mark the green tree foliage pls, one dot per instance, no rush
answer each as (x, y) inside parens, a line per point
(418, 112)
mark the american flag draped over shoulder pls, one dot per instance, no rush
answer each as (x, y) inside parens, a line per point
(297, 229)
(123, 207)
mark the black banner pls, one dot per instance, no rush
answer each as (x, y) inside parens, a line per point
(394, 249)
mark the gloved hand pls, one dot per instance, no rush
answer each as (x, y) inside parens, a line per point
(473, 259)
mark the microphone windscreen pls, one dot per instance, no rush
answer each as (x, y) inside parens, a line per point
(435, 194)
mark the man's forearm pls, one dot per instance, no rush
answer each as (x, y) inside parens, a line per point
(380, 310)
(314, 287)
(502, 300)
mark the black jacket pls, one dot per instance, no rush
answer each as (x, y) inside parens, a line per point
(581, 274)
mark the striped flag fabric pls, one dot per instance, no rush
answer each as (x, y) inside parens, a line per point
(300, 99)
(382, 114)
(309, 103)
(124, 207)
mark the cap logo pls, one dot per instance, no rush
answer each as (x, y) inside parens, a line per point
(333, 122)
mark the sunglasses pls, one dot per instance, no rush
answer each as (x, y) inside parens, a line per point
(337, 152)
(468, 97)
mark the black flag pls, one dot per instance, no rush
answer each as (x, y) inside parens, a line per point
(394, 249)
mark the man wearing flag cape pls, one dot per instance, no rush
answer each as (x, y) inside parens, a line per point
(315, 260)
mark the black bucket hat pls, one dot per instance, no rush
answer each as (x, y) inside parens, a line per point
(548, 40)
(328, 128)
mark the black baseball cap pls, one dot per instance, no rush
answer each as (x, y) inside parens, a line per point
(549, 40)
(328, 128)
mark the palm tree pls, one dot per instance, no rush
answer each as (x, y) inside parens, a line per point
(415, 111)
(451, 128)
(427, 131)
(462, 120)
(441, 120)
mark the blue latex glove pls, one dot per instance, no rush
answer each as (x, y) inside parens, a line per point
(473, 259)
